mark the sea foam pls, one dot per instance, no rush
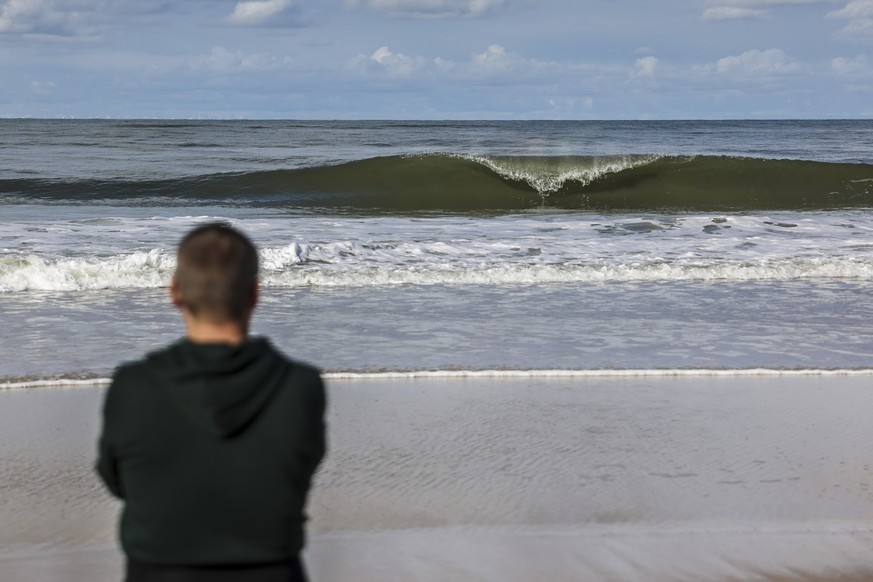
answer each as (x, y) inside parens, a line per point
(78, 382)
(293, 267)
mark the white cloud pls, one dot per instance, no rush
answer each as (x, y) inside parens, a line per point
(755, 63)
(257, 12)
(397, 63)
(860, 16)
(36, 17)
(854, 9)
(444, 65)
(498, 64)
(771, 2)
(494, 64)
(494, 58)
(747, 9)
(76, 18)
(732, 13)
(220, 60)
(429, 8)
(391, 63)
(860, 27)
(846, 67)
(645, 67)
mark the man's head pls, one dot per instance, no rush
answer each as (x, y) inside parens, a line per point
(216, 274)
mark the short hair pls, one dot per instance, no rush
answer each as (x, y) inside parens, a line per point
(216, 272)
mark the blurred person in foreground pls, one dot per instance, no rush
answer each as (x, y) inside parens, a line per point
(212, 442)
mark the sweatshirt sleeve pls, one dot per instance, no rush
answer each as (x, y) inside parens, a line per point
(107, 458)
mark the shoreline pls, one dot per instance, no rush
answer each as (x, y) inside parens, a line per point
(617, 478)
(545, 374)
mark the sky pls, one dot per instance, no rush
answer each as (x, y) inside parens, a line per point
(437, 59)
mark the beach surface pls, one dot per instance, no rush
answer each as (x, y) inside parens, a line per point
(730, 477)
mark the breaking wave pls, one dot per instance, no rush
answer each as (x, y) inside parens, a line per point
(303, 266)
(460, 184)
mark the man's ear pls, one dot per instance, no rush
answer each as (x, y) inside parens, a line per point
(176, 293)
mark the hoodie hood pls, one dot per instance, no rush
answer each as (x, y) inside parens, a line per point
(221, 388)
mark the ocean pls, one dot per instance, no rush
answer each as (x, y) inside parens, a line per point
(449, 248)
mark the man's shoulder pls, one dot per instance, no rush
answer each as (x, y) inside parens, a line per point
(303, 369)
(298, 365)
(140, 362)
(301, 379)
(134, 371)
(128, 370)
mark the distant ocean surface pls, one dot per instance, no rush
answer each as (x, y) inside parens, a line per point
(449, 247)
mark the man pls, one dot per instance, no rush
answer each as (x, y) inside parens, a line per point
(212, 442)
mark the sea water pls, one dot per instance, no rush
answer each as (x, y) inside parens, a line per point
(449, 247)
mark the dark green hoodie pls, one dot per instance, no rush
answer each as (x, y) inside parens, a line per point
(212, 448)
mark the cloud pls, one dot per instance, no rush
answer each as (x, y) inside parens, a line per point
(765, 3)
(77, 18)
(854, 9)
(855, 67)
(860, 27)
(753, 64)
(789, 2)
(221, 60)
(495, 66)
(37, 17)
(645, 67)
(854, 75)
(732, 13)
(258, 12)
(493, 63)
(429, 8)
(496, 63)
(494, 58)
(860, 16)
(489, 82)
(391, 63)
(748, 9)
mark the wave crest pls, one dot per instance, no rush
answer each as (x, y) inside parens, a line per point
(548, 175)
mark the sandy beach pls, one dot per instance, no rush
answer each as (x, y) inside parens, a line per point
(650, 478)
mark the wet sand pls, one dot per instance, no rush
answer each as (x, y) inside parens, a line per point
(690, 478)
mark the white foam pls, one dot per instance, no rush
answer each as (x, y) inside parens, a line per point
(546, 274)
(548, 175)
(54, 383)
(513, 374)
(341, 265)
(599, 373)
(127, 271)
(508, 250)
